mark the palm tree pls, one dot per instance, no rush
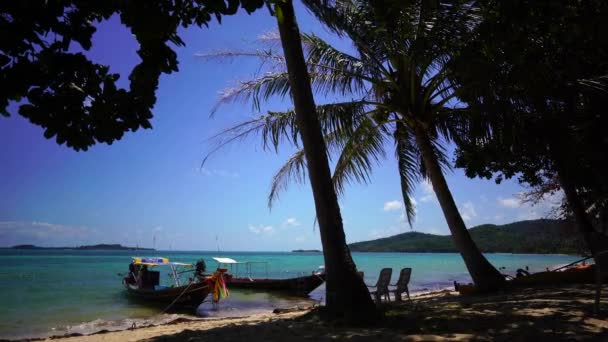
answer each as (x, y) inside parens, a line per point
(401, 82)
(347, 297)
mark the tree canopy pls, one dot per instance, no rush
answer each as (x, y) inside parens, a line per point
(75, 100)
(536, 73)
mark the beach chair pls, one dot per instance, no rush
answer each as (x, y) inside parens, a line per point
(382, 285)
(402, 282)
(600, 256)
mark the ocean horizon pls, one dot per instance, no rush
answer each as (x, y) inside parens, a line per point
(206, 251)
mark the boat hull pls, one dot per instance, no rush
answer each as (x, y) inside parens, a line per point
(193, 294)
(572, 276)
(300, 286)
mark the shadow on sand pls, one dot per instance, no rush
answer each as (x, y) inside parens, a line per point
(525, 314)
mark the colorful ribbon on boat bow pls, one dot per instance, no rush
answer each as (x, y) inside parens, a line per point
(218, 284)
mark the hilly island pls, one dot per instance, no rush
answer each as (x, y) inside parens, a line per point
(534, 236)
(105, 247)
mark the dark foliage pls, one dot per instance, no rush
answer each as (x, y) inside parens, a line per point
(75, 99)
(536, 73)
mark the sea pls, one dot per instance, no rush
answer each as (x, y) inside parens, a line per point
(58, 292)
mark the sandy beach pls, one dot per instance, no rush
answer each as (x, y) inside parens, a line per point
(551, 313)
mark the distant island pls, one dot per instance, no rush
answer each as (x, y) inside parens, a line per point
(306, 251)
(111, 247)
(535, 236)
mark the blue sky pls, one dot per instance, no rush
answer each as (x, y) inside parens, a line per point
(150, 183)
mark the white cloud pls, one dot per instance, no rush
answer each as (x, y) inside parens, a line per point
(291, 222)
(158, 228)
(467, 211)
(261, 229)
(300, 238)
(552, 201)
(511, 203)
(428, 192)
(393, 205)
(518, 209)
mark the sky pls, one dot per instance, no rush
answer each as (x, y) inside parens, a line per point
(151, 184)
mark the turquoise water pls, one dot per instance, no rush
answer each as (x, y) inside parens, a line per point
(54, 292)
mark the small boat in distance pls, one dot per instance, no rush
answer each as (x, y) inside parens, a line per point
(300, 286)
(144, 284)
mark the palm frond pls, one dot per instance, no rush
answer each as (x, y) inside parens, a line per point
(407, 161)
(338, 16)
(233, 134)
(294, 170)
(264, 55)
(337, 120)
(342, 116)
(322, 57)
(260, 88)
(272, 84)
(362, 150)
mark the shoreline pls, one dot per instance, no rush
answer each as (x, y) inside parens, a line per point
(215, 322)
(540, 313)
(184, 322)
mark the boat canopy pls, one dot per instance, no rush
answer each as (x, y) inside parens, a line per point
(225, 260)
(232, 261)
(156, 262)
(235, 270)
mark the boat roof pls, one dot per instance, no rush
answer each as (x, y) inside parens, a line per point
(232, 261)
(156, 261)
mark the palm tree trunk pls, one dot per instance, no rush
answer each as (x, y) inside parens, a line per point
(485, 276)
(347, 297)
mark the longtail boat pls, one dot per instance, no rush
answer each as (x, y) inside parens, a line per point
(144, 284)
(300, 286)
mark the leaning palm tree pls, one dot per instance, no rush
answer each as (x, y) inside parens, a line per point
(399, 90)
(347, 297)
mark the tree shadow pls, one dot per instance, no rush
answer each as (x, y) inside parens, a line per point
(521, 314)
(525, 314)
